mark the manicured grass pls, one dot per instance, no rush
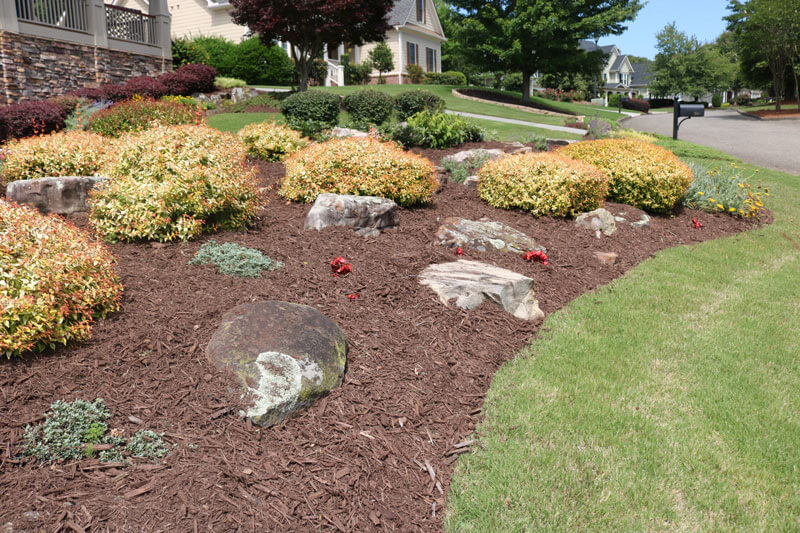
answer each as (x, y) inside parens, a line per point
(692, 151)
(233, 122)
(667, 400)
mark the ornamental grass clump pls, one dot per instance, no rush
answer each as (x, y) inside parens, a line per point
(543, 184)
(640, 174)
(234, 259)
(271, 142)
(723, 189)
(73, 153)
(360, 166)
(54, 282)
(173, 183)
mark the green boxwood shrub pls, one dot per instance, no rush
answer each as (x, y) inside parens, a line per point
(311, 112)
(410, 103)
(369, 106)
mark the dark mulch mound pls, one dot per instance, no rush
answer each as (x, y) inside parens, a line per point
(486, 94)
(378, 453)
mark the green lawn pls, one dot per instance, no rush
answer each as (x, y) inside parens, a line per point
(233, 122)
(666, 401)
(588, 110)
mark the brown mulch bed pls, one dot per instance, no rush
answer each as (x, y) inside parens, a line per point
(788, 110)
(377, 454)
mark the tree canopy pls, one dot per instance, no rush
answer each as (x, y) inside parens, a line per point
(381, 59)
(311, 24)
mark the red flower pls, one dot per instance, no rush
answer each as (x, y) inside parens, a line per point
(459, 251)
(696, 224)
(354, 296)
(538, 255)
(340, 266)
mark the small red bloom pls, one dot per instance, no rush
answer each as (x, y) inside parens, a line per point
(354, 296)
(696, 224)
(537, 255)
(340, 266)
(459, 251)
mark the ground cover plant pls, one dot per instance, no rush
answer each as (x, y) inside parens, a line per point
(139, 115)
(270, 141)
(543, 184)
(233, 259)
(640, 174)
(459, 172)
(723, 188)
(360, 166)
(174, 182)
(73, 153)
(54, 282)
(73, 430)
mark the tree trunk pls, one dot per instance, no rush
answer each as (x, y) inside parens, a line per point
(526, 85)
(796, 85)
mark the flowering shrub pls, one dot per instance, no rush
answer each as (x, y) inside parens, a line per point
(146, 86)
(138, 115)
(640, 174)
(30, 118)
(271, 142)
(562, 96)
(725, 190)
(53, 281)
(362, 166)
(542, 183)
(73, 153)
(174, 183)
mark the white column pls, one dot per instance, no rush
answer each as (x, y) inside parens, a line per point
(8, 17)
(400, 51)
(96, 13)
(160, 10)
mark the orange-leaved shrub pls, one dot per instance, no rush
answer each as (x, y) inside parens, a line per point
(54, 282)
(360, 166)
(72, 153)
(640, 174)
(138, 115)
(543, 183)
(174, 182)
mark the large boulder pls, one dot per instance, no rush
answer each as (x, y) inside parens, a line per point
(484, 235)
(340, 132)
(368, 215)
(472, 282)
(600, 221)
(460, 157)
(62, 195)
(240, 94)
(284, 355)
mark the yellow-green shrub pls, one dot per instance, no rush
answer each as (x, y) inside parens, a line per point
(271, 142)
(72, 153)
(640, 174)
(53, 281)
(361, 166)
(174, 182)
(543, 183)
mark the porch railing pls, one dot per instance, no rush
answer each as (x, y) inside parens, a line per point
(130, 25)
(67, 14)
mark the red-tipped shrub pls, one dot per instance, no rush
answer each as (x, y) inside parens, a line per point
(189, 79)
(90, 93)
(30, 118)
(116, 92)
(146, 86)
(176, 84)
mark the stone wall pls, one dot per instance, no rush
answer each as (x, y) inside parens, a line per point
(36, 67)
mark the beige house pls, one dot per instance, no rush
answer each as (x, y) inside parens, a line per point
(415, 38)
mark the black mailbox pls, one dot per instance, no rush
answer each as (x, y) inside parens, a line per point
(692, 110)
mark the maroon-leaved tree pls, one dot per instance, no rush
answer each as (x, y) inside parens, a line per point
(308, 25)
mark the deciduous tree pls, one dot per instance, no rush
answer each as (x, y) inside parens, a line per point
(381, 59)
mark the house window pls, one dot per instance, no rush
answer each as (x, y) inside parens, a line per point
(430, 54)
(605, 76)
(412, 53)
(420, 10)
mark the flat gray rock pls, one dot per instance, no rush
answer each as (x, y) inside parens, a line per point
(470, 283)
(368, 215)
(61, 195)
(460, 157)
(347, 132)
(284, 355)
(599, 221)
(484, 235)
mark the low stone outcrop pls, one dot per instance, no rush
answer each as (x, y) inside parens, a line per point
(61, 195)
(484, 235)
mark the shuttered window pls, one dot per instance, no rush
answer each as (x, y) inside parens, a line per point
(430, 54)
(421, 11)
(412, 52)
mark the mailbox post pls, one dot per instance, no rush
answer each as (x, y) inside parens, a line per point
(687, 111)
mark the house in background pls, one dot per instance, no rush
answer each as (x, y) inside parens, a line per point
(619, 74)
(415, 36)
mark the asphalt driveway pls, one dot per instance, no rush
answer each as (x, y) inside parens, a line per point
(773, 144)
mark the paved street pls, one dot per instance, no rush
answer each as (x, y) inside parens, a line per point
(773, 144)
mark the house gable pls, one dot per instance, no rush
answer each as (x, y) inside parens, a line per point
(404, 16)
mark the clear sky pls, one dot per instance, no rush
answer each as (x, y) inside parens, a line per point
(701, 18)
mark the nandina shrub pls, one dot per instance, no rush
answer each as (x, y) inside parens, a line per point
(640, 174)
(54, 282)
(360, 166)
(174, 182)
(139, 115)
(72, 153)
(146, 86)
(271, 142)
(30, 118)
(543, 184)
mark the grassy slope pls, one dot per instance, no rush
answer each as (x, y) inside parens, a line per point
(233, 122)
(588, 110)
(667, 400)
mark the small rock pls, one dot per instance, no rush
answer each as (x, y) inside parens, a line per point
(462, 156)
(134, 419)
(61, 195)
(473, 282)
(606, 258)
(523, 150)
(240, 94)
(643, 222)
(284, 355)
(31, 516)
(620, 219)
(471, 181)
(599, 221)
(366, 214)
(484, 235)
(347, 132)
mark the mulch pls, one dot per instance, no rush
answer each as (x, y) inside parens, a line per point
(376, 454)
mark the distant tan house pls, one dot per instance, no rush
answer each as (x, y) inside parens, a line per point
(415, 38)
